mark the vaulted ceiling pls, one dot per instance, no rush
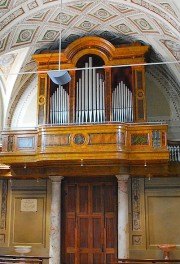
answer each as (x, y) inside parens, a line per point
(30, 26)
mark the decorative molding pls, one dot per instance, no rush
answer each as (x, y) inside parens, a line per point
(56, 140)
(136, 240)
(79, 139)
(136, 213)
(3, 212)
(2, 239)
(11, 17)
(26, 142)
(106, 138)
(139, 139)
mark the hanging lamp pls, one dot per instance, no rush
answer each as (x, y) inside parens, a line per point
(59, 76)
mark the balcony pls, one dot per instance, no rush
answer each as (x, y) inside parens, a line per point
(114, 146)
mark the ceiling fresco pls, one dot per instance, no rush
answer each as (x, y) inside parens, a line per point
(34, 25)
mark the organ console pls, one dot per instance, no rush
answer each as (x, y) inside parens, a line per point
(107, 84)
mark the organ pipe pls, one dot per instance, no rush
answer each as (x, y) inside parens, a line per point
(90, 106)
(59, 102)
(122, 108)
(90, 100)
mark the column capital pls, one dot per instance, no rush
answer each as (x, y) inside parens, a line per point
(56, 178)
(124, 177)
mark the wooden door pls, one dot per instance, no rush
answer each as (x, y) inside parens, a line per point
(89, 227)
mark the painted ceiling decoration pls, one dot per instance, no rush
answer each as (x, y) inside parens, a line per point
(35, 24)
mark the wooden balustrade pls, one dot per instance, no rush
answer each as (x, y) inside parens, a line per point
(109, 142)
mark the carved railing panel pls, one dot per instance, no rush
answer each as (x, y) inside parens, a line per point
(174, 149)
(125, 142)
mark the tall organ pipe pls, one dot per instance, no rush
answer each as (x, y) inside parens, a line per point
(59, 102)
(122, 109)
(90, 100)
(90, 105)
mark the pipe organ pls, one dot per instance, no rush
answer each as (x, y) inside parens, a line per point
(59, 103)
(97, 92)
(122, 104)
(90, 101)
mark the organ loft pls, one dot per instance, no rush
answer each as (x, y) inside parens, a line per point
(104, 85)
(92, 136)
(97, 119)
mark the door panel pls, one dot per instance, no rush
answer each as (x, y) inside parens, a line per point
(83, 199)
(97, 199)
(89, 222)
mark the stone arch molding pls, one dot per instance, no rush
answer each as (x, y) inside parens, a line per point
(24, 113)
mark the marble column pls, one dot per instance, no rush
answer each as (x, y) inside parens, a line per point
(123, 221)
(55, 226)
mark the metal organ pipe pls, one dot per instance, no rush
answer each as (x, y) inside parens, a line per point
(94, 109)
(122, 109)
(90, 105)
(90, 89)
(59, 102)
(90, 100)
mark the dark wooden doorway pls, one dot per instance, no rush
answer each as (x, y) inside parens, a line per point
(89, 220)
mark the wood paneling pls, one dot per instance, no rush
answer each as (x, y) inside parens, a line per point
(89, 222)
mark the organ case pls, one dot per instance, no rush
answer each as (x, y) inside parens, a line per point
(107, 84)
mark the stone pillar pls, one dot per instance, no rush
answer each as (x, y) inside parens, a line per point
(55, 226)
(123, 222)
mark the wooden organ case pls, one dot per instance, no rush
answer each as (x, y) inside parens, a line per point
(86, 136)
(107, 84)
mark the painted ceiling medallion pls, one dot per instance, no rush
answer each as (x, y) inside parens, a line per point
(65, 18)
(103, 14)
(38, 16)
(50, 35)
(123, 28)
(25, 35)
(87, 25)
(143, 24)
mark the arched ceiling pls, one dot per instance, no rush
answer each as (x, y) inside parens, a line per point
(28, 26)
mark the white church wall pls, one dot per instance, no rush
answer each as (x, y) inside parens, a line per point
(25, 114)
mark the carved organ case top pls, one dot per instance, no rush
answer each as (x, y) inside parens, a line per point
(107, 84)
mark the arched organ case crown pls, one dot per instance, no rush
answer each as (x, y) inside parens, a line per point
(97, 92)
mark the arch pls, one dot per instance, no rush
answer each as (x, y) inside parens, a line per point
(98, 46)
(81, 53)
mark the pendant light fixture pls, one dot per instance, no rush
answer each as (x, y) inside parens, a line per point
(59, 76)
